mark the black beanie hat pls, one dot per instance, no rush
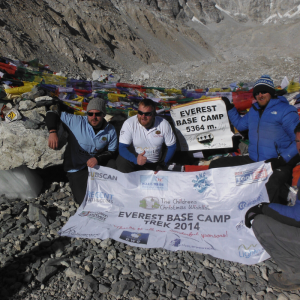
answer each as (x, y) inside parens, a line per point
(264, 84)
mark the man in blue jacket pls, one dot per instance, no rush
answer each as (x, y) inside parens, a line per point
(270, 124)
(91, 141)
(277, 228)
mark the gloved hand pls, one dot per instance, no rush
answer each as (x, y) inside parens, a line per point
(276, 162)
(229, 105)
(253, 212)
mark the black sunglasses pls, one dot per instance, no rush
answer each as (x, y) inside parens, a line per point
(97, 114)
(257, 93)
(147, 114)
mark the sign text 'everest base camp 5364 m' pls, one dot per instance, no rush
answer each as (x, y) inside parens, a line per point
(198, 211)
(202, 124)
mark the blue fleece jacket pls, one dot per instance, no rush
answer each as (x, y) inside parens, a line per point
(83, 143)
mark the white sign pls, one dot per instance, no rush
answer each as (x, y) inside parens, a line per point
(12, 115)
(202, 124)
(198, 211)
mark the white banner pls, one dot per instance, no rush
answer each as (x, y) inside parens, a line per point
(198, 211)
(202, 124)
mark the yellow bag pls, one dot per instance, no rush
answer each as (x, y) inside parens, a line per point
(293, 87)
(21, 89)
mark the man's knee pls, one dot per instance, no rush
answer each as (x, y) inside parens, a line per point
(258, 223)
(262, 224)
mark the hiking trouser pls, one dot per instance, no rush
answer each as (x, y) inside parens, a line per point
(276, 188)
(282, 242)
(78, 182)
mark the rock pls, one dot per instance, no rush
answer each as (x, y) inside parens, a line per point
(126, 270)
(34, 212)
(211, 289)
(36, 115)
(75, 272)
(91, 283)
(283, 297)
(153, 268)
(45, 272)
(176, 292)
(103, 289)
(26, 105)
(247, 287)
(43, 220)
(118, 288)
(172, 266)
(105, 243)
(35, 151)
(225, 297)
(270, 296)
(29, 124)
(209, 276)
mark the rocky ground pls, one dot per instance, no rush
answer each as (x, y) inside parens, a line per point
(36, 263)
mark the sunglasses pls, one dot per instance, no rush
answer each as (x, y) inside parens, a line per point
(97, 114)
(147, 114)
(257, 93)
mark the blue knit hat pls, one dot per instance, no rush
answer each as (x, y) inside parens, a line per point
(264, 84)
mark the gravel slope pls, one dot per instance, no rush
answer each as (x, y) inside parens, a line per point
(38, 264)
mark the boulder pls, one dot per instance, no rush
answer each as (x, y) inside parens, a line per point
(20, 146)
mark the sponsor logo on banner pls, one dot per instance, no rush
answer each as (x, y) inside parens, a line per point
(201, 183)
(149, 182)
(72, 232)
(244, 204)
(150, 203)
(135, 237)
(102, 176)
(251, 176)
(250, 251)
(100, 197)
(99, 216)
(180, 242)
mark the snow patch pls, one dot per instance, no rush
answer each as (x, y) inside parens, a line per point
(223, 10)
(194, 19)
(289, 15)
(270, 19)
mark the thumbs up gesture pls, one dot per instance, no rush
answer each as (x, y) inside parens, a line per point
(141, 159)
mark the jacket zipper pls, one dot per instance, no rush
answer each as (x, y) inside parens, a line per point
(260, 114)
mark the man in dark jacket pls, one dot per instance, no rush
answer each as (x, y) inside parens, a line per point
(270, 124)
(277, 228)
(91, 141)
